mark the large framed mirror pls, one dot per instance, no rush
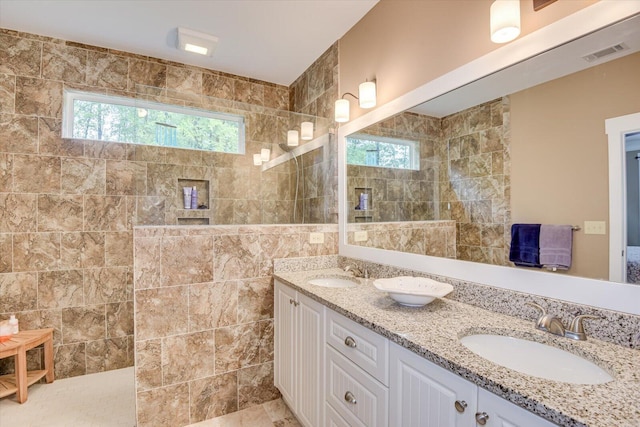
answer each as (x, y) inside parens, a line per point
(516, 136)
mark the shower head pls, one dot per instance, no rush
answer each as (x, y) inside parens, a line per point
(285, 147)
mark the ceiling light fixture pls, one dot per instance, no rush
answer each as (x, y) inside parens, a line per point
(504, 20)
(196, 42)
(366, 99)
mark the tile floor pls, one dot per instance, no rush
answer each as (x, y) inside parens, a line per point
(72, 402)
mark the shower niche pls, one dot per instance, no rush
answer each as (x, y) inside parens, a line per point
(200, 215)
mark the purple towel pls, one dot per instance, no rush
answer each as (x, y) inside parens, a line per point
(555, 246)
(525, 247)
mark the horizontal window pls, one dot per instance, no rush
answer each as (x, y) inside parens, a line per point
(371, 150)
(118, 119)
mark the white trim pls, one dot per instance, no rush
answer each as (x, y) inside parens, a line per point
(600, 293)
(616, 129)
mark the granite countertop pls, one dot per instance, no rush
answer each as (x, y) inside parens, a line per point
(433, 331)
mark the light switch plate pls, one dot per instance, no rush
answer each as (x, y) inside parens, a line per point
(360, 236)
(595, 227)
(316, 237)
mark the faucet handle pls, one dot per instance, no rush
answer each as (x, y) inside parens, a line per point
(544, 321)
(576, 328)
(543, 312)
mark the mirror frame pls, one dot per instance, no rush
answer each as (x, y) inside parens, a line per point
(598, 293)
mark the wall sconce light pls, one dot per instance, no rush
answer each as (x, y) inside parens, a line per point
(257, 159)
(196, 42)
(505, 20)
(367, 94)
(306, 131)
(292, 138)
(366, 99)
(142, 112)
(265, 154)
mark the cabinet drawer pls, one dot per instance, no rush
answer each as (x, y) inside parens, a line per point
(355, 395)
(367, 349)
(333, 419)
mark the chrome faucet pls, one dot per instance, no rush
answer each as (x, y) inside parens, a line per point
(356, 271)
(549, 323)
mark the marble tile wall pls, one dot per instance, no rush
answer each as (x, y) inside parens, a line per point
(204, 316)
(435, 238)
(464, 176)
(475, 180)
(399, 194)
(68, 206)
(314, 94)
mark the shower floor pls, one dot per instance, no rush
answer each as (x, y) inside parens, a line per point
(94, 400)
(107, 399)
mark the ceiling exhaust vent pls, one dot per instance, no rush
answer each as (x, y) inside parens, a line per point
(605, 52)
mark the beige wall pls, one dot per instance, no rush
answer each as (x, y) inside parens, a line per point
(559, 153)
(406, 43)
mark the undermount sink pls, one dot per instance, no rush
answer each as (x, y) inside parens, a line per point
(536, 359)
(334, 282)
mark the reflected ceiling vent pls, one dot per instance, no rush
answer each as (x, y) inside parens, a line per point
(605, 52)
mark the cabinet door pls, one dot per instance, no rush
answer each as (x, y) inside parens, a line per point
(425, 395)
(502, 413)
(284, 342)
(310, 349)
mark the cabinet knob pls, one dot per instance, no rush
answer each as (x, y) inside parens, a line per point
(350, 342)
(481, 418)
(290, 301)
(349, 397)
(460, 405)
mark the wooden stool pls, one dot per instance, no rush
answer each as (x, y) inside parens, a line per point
(17, 346)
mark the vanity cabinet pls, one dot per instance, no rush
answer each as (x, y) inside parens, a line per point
(299, 344)
(425, 395)
(334, 372)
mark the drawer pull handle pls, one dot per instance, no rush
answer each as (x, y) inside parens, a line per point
(460, 405)
(481, 418)
(349, 397)
(350, 342)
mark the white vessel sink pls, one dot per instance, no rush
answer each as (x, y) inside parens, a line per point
(413, 291)
(536, 359)
(334, 282)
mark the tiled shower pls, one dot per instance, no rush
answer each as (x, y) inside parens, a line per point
(68, 207)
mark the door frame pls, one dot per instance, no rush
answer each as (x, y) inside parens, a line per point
(616, 129)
